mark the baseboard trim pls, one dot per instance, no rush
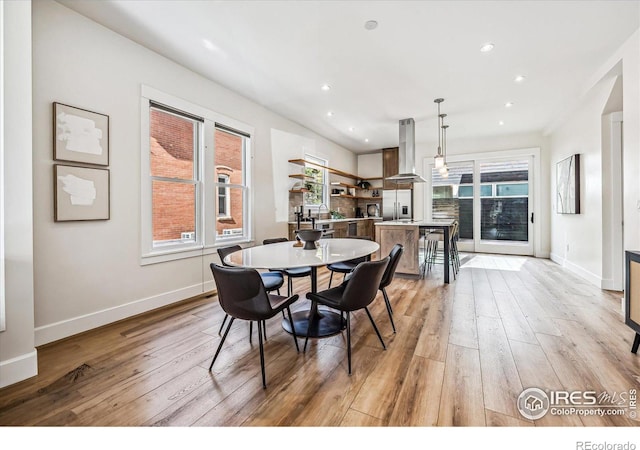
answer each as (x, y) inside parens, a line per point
(63, 329)
(556, 259)
(577, 270)
(19, 368)
(609, 285)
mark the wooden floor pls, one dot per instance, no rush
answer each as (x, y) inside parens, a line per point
(461, 356)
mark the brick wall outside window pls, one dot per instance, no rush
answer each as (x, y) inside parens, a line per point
(172, 150)
(228, 161)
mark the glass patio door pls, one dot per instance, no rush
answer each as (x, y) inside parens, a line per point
(503, 198)
(452, 198)
(492, 201)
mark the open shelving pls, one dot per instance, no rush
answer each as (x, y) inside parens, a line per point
(306, 179)
(300, 176)
(359, 197)
(304, 162)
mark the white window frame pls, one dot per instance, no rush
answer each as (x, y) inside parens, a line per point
(325, 181)
(2, 114)
(534, 184)
(223, 186)
(206, 198)
(195, 180)
(226, 239)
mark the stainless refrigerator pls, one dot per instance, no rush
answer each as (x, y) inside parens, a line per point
(397, 204)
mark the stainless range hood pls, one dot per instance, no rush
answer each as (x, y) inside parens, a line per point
(407, 155)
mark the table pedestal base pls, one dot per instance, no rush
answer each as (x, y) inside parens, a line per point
(324, 323)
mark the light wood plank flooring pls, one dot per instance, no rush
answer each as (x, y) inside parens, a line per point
(461, 356)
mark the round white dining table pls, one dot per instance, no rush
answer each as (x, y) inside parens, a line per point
(283, 255)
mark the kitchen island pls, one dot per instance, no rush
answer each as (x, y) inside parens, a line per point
(407, 233)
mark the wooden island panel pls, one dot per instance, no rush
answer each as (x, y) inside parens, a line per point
(408, 236)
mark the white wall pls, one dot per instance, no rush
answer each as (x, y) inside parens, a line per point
(89, 273)
(18, 358)
(370, 165)
(577, 240)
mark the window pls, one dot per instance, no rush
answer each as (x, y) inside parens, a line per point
(512, 190)
(316, 183)
(463, 191)
(229, 163)
(224, 204)
(196, 192)
(174, 144)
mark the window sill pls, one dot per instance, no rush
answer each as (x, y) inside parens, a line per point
(168, 255)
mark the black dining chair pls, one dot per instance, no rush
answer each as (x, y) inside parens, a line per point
(242, 295)
(291, 273)
(387, 278)
(272, 281)
(356, 293)
(345, 267)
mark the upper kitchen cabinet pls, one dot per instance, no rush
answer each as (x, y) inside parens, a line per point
(390, 167)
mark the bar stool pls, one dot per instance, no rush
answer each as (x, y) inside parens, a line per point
(433, 252)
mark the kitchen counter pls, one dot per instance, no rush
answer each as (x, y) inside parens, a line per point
(346, 219)
(362, 227)
(407, 232)
(416, 223)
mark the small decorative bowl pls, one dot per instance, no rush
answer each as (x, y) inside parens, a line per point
(309, 237)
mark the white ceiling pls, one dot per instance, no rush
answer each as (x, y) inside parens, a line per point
(279, 53)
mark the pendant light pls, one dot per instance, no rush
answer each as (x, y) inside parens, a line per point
(444, 171)
(439, 158)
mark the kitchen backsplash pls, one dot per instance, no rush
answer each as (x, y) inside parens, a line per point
(345, 206)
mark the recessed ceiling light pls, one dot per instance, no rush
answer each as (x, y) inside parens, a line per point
(508, 104)
(487, 47)
(325, 87)
(351, 129)
(329, 113)
(370, 25)
(366, 140)
(501, 123)
(519, 78)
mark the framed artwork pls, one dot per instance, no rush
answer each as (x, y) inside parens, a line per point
(568, 185)
(81, 193)
(80, 136)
